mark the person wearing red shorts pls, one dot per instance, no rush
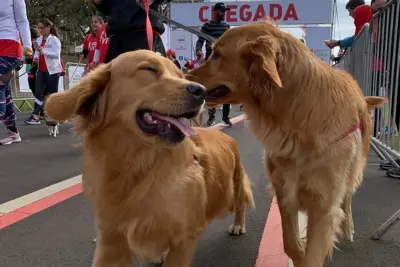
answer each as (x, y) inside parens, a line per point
(14, 26)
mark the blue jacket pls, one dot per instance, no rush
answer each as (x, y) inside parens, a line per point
(346, 42)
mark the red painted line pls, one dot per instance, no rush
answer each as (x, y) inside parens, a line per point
(49, 201)
(271, 252)
(37, 206)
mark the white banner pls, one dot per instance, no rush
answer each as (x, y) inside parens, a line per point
(24, 85)
(182, 44)
(74, 74)
(287, 12)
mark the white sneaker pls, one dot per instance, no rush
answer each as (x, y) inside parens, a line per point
(11, 138)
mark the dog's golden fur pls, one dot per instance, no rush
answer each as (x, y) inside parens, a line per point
(149, 197)
(306, 114)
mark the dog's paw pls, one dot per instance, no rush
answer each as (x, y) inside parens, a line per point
(348, 234)
(236, 229)
(161, 259)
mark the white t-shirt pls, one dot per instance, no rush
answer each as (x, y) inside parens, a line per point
(13, 20)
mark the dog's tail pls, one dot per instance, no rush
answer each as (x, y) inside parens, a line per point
(243, 192)
(366, 121)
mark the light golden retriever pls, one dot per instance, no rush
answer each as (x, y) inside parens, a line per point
(154, 183)
(312, 120)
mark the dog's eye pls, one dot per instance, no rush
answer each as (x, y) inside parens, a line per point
(151, 69)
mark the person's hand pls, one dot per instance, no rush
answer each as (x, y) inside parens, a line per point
(331, 43)
(28, 52)
(92, 65)
(81, 56)
(35, 59)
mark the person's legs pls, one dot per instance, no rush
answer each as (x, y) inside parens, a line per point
(52, 87)
(7, 113)
(211, 116)
(41, 83)
(225, 115)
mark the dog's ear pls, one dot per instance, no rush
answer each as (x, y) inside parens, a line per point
(80, 99)
(261, 54)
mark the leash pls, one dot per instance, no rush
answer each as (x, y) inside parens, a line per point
(149, 28)
(181, 26)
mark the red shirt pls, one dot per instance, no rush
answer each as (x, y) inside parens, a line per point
(90, 43)
(362, 15)
(42, 61)
(102, 42)
(10, 48)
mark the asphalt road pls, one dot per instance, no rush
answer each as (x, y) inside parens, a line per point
(61, 235)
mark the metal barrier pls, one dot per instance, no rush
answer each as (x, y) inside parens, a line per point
(374, 61)
(22, 96)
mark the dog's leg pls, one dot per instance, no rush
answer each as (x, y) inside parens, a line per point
(347, 226)
(243, 196)
(323, 225)
(112, 251)
(287, 199)
(292, 243)
(181, 255)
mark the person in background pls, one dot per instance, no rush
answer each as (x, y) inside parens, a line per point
(215, 28)
(90, 42)
(31, 67)
(14, 26)
(362, 14)
(101, 46)
(48, 57)
(127, 26)
(171, 55)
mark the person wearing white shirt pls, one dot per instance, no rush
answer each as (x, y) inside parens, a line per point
(14, 26)
(48, 56)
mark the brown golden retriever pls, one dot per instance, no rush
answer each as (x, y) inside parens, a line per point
(154, 183)
(312, 120)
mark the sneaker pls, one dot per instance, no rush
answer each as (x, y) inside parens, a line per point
(11, 138)
(211, 121)
(386, 165)
(227, 122)
(32, 120)
(394, 173)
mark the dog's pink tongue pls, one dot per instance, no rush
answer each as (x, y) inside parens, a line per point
(186, 130)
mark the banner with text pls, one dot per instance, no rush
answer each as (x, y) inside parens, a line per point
(287, 12)
(182, 44)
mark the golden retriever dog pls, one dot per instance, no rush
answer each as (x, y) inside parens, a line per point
(312, 120)
(154, 182)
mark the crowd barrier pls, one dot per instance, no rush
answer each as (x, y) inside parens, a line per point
(374, 61)
(21, 92)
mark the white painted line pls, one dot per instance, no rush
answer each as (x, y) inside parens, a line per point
(38, 195)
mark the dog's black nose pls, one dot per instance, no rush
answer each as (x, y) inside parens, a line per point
(196, 89)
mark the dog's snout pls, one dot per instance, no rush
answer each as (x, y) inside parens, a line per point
(196, 89)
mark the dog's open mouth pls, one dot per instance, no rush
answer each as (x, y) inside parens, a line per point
(217, 92)
(167, 127)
